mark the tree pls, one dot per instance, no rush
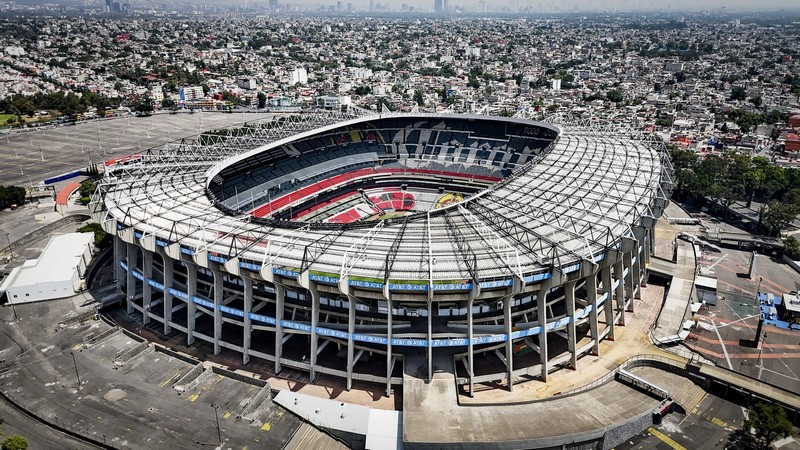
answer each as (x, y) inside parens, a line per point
(14, 442)
(144, 107)
(262, 100)
(86, 190)
(791, 247)
(738, 93)
(614, 95)
(418, 97)
(102, 240)
(11, 195)
(777, 215)
(764, 425)
(168, 103)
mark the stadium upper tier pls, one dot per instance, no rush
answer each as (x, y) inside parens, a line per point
(566, 194)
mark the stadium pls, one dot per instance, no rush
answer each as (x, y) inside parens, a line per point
(350, 244)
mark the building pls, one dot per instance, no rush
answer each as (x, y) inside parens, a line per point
(189, 93)
(298, 76)
(57, 273)
(354, 253)
(157, 94)
(674, 66)
(792, 142)
(247, 83)
(789, 308)
(556, 84)
(333, 102)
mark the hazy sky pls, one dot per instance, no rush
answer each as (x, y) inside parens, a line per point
(567, 5)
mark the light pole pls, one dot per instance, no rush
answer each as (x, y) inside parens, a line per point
(11, 250)
(76, 369)
(761, 350)
(216, 416)
(758, 291)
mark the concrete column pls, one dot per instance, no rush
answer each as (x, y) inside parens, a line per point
(629, 280)
(637, 271)
(248, 324)
(389, 347)
(541, 307)
(314, 323)
(351, 328)
(218, 297)
(130, 279)
(430, 339)
(470, 347)
(119, 272)
(191, 308)
(645, 256)
(608, 305)
(280, 299)
(619, 295)
(509, 343)
(569, 299)
(147, 290)
(590, 282)
(169, 275)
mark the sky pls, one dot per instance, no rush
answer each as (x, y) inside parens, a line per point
(571, 5)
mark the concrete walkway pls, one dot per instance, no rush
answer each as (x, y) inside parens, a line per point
(432, 417)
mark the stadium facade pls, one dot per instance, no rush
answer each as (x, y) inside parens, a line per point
(345, 244)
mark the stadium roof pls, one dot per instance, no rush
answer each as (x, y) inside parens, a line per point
(571, 205)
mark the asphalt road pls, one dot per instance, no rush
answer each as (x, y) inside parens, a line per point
(127, 406)
(725, 329)
(38, 435)
(707, 427)
(31, 156)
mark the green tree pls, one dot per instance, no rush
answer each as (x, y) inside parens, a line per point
(419, 98)
(777, 215)
(738, 93)
(262, 100)
(764, 425)
(145, 107)
(86, 190)
(614, 95)
(791, 247)
(11, 195)
(102, 240)
(14, 442)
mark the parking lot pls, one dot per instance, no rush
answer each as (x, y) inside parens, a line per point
(726, 331)
(32, 156)
(52, 372)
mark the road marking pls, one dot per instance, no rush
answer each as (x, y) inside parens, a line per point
(168, 380)
(77, 346)
(724, 349)
(717, 262)
(193, 397)
(719, 423)
(265, 427)
(226, 415)
(665, 439)
(739, 320)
